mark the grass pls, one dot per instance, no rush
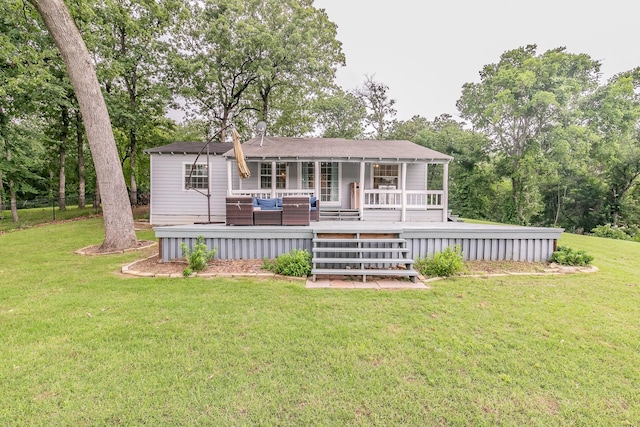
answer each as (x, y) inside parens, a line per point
(83, 345)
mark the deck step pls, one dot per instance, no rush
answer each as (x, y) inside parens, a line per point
(411, 274)
(360, 250)
(339, 214)
(366, 253)
(363, 260)
(357, 240)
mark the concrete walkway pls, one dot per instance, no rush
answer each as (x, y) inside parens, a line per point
(336, 283)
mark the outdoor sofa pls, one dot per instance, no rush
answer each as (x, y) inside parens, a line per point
(289, 210)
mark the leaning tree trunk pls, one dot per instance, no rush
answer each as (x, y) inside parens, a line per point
(118, 218)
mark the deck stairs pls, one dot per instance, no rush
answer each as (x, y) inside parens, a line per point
(361, 254)
(339, 214)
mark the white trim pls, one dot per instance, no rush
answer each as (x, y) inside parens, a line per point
(151, 172)
(183, 176)
(372, 169)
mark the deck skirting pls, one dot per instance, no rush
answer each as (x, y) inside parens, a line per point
(478, 242)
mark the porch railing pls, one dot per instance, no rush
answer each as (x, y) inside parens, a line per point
(392, 199)
(266, 194)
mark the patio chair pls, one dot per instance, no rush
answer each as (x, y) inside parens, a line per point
(240, 210)
(314, 215)
(295, 210)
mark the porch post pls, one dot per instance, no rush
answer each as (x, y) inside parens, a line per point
(445, 192)
(403, 178)
(361, 189)
(229, 178)
(273, 179)
(316, 176)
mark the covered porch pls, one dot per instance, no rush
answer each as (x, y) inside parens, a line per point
(379, 180)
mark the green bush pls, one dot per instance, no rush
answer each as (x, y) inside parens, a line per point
(442, 264)
(611, 232)
(295, 263)
(198, 257)
(567, 256)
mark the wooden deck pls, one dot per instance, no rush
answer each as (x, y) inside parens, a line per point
(478, 242)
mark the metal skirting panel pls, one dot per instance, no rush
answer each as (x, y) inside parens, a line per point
(478, 242)
(479, 249)
(237, 248)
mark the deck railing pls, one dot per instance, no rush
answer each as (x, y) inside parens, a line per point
(266, 194)
(373, 199)
(393, 199)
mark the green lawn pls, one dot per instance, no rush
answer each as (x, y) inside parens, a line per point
(83, 345)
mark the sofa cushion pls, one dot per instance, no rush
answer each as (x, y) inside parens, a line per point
(268, 204)
(279, 202)
(312, 202)
(255, 202)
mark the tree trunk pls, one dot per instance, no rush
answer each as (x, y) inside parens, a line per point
(14, 203)
(81, 178)
(1, 196)
(64, 135)
(62, 194)
(118, 217)
(96, 198)
(133, 190)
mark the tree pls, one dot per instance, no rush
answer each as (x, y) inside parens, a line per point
(241, 61)
(518, 102)
(22, 79)
(118, 218)
(340, 115)
(409, 129)
(613, 112)
(472, 177)
(132, 66)
(380, 110)
(300, 53)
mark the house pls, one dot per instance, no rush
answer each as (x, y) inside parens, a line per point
(369, 180)
(394, 193)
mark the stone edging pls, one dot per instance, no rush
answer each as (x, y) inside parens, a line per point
(553, 271)
(83, 251)
(130, 270)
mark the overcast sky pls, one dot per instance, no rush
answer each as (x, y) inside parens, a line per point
(425, 51)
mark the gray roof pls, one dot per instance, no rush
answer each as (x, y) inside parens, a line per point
(191, 148)
(276, 148)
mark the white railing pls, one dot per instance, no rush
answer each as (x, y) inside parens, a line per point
(266, 194)
(392, 199)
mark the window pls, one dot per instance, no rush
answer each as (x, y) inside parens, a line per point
(196, 176)
(385, 176)
(265, 175)
(308, 176)
(329, 182)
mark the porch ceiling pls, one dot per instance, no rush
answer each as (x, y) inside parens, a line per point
(336, 149)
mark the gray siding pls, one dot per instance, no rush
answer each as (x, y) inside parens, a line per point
(171, 204)
(416, 176)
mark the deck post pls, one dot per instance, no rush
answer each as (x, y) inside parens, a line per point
(316, 179)
(273, 179)
(445, 192)
(229, 178)
(403, 178)
(361, 189)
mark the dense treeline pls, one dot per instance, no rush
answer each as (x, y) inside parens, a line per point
(541, 140)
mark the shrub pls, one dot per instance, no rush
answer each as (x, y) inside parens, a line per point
(295, 263)
(567, 256)
(198, 257)
(442, 264)
(611, 232)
